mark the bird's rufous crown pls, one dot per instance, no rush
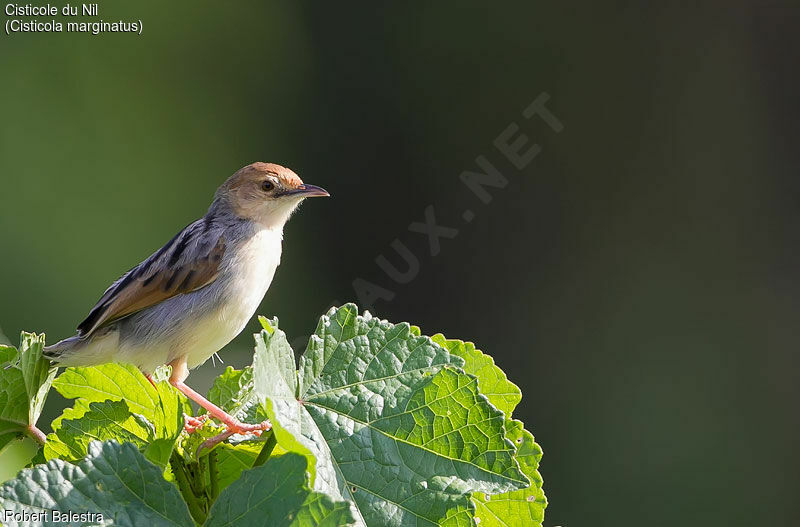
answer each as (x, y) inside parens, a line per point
(256, 170)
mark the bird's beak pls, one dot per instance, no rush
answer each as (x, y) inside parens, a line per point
(307, 191)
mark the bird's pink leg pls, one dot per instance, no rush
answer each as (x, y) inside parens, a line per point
(179, 374)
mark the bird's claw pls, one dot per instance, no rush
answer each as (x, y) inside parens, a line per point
(236, 427)
(191, 424)
(245, 428)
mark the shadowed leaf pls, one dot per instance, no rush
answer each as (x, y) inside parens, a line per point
(278, 494)
(113, 480)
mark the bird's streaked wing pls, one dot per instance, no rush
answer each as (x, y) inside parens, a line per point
(187, 262)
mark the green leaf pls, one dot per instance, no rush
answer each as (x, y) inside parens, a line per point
(162, 405)
(232, 460)
(37, 371)
(8, 354)
(15, 455)
(115, 401)
(278, 494)
(394, 423)
(281, 358)
(13, 397)
(79, 426)
(233, 392)
(493, 383)
(519, 507)
(113, 480)
(25, 379)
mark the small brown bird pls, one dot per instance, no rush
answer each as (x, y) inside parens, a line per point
(194, 295)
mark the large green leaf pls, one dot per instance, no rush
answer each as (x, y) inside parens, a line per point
(79, 426)
(115, 401)
(395, 424)
(113, 480)
(162, 405)
(278, 494)
(25, 379)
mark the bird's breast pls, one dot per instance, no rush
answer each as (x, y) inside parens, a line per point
(245, 276)
(249, 273)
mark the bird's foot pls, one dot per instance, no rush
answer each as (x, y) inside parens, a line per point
(236, 427)
(191, 424)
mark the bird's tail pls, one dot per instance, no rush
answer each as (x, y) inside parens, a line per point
(75, 351)
(63, 349)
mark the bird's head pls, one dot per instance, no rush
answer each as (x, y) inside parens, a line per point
(265, 193)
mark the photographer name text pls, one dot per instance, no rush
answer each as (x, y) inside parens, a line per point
(49, 517)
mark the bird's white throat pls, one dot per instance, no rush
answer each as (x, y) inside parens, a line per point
(252, 266)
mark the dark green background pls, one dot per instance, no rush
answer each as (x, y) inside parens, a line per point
(639, 279)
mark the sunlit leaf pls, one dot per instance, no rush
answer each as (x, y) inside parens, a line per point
(115, 401)
(79, 426)
(492, 381)
(233, 392)
(518, 507)
(25, 379)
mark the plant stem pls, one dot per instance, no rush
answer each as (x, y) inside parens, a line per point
(213, 474)
(266, 450)
(196, 509)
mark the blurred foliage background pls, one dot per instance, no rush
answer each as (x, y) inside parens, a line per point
(639, 279)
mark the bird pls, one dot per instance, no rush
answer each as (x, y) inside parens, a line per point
(190, 298)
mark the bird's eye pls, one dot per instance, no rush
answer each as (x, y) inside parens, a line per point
(267, 185)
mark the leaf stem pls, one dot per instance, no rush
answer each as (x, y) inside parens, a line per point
(196, 508)
(37, 434)
(266, 450)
